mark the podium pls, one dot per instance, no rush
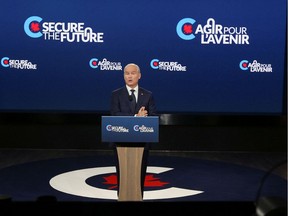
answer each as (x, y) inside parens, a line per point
(130, 134)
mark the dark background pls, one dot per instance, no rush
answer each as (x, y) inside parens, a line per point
(176, 132)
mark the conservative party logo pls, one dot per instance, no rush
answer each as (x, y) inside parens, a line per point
(118, 129)
(101, 182)
(255, 66)
(211, 32)
(21, 64)
(61, 31)
(143, 129)
(104, 64)
(156, 64)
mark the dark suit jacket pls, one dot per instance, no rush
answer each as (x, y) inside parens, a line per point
(120, 103)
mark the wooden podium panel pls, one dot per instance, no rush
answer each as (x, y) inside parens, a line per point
(130, 163)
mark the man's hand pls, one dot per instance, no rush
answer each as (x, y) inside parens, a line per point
(142, 112)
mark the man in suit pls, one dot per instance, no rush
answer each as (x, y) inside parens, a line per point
(122, 99)
(142, 104)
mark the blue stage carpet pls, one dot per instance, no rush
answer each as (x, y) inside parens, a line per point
(93, 179)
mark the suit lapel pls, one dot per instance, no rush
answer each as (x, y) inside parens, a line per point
(140, 99)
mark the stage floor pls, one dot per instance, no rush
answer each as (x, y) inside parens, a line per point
(197, 181)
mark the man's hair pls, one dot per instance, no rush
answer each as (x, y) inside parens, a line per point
(133, 64)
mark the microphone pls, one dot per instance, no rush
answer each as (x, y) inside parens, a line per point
(130, 97)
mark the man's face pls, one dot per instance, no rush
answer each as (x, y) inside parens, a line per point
(131, 76)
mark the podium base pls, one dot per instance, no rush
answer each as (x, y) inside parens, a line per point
(130, 167)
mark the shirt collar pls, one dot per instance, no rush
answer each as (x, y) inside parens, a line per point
(129, 88)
